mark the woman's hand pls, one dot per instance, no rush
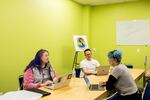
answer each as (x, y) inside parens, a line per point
(57, 79)
(47, 83)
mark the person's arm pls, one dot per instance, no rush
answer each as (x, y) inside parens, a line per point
(87, 72)
(110, 83)
(29, 80)
(97, 64)
(54, 75)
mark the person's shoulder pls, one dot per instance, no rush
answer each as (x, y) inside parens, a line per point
(28, 72)
(117, 69)
(33, 68)
(48, 66)
(94, 60)
(83, 61)
(120, 67)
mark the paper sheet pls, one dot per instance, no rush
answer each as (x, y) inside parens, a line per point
(21, 95)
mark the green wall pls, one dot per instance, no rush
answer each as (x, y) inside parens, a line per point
(28, 25)
(103, 31)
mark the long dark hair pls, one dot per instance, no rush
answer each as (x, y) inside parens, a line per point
(36, 62)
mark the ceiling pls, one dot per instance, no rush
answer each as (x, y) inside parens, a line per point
(101, 2)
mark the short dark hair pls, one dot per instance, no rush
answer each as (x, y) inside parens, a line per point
(87, 50)
(115, 54)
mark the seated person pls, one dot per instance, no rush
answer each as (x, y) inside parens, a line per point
(121, 79)
(89, 65)
(39, 72)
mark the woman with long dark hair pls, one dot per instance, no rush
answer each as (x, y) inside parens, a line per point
(39, 71)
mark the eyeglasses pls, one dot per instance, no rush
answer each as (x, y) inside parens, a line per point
(88, 54)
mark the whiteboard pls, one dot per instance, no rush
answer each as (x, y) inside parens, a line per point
(133, 32)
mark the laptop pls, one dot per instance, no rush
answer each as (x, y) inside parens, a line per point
(93, 87)
(103, 70)
(64, 81)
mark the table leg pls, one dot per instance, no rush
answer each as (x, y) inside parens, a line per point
(144, 80)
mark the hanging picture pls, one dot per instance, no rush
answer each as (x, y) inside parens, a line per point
(80, 42)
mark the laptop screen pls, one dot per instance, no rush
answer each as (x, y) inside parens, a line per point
(87, 80)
